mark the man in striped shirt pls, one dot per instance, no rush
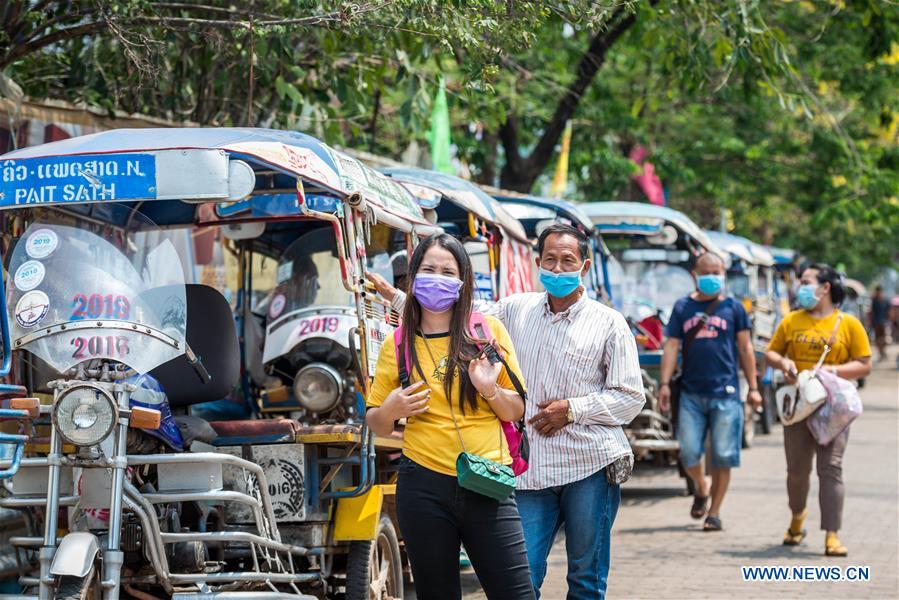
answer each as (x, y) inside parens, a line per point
(579, 360)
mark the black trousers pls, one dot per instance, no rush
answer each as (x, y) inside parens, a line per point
(435, 515)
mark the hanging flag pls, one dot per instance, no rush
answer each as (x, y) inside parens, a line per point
(440, 132)
(560, 179)
(646, 178)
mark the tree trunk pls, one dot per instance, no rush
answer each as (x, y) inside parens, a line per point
(519, 173)
(487, 175)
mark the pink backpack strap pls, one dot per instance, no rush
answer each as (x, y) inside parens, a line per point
(402, 356)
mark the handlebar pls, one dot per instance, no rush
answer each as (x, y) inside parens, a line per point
(197, 363)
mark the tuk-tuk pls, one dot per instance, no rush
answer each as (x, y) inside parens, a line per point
(500, 252)
(127, 493)
(786, 278)
(536, 213)
(654, 248)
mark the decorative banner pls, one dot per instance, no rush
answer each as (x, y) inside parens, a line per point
(516, 262)
(647, 179)
(560, 180)
(440, 132)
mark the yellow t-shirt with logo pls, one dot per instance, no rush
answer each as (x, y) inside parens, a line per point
(430, 439)
(801, 338)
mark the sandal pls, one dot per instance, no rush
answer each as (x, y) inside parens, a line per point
(833, 547)
(795, 533)
(712, 524)
(793, 538)
(699, 506)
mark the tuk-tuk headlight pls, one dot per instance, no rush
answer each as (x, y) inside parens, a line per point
(84, 415)
(318, 387)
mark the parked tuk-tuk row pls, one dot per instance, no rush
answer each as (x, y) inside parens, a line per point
(189, 337)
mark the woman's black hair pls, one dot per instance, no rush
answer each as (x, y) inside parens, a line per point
(827, 274)
(462, 347)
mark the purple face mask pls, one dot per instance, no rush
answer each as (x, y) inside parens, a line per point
(436, 293)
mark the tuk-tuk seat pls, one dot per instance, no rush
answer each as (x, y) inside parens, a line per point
(254, 431)
(212, 335)
(274, 431)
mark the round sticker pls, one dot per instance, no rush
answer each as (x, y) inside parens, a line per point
(29, 275)
(41, 243)
(277, 306)
(32, 308)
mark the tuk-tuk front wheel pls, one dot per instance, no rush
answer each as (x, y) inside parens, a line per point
(374, 569)
(79, 588)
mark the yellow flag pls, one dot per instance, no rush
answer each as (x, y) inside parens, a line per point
(560, 179)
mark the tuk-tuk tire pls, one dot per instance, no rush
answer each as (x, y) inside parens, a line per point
(78, 588)
(358, 577)
(748, 426)
(769, 410)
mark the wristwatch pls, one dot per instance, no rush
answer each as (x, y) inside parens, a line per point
(570, 415)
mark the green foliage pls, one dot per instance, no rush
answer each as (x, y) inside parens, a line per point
(785, 113)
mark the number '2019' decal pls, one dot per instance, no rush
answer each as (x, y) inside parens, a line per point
(98, 306)
(319, 325)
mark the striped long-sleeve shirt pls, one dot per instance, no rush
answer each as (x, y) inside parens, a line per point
(586, 355)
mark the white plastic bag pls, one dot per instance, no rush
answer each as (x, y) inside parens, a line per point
(842, 407)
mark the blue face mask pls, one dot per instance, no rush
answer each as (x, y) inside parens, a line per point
(710, 285)
(561, 284)
(806, 296)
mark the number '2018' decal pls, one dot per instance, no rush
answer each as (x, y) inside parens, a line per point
(319, 325)
(100, 345)
(98, 306)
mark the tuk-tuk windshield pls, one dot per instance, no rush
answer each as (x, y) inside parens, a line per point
(738, 285)
(74, 296)
(309, 275)
(648, 287)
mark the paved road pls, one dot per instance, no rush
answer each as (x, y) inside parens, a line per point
(659, 552)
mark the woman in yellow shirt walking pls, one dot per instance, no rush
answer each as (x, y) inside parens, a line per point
(797, 345)
(457, 396)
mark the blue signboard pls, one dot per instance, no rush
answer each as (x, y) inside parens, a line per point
(74, 179)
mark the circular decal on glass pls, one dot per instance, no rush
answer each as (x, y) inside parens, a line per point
(277, 306)
(32, 308)
(41, 243)
(29, 275)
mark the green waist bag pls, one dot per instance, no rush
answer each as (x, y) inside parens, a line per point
(485, 476)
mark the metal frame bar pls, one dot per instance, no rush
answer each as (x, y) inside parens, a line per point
(6, 364)
(212, 457)
(99, 324)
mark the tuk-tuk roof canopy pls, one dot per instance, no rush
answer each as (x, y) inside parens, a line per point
(191, 164)
(638, 218)
(743, 248)
(568, 210)
(431, 187)
(782, 256)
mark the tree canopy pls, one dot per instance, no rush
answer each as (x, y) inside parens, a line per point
(784, 114)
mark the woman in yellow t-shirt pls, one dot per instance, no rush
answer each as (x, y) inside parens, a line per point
(797, 345)
(452, 386)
